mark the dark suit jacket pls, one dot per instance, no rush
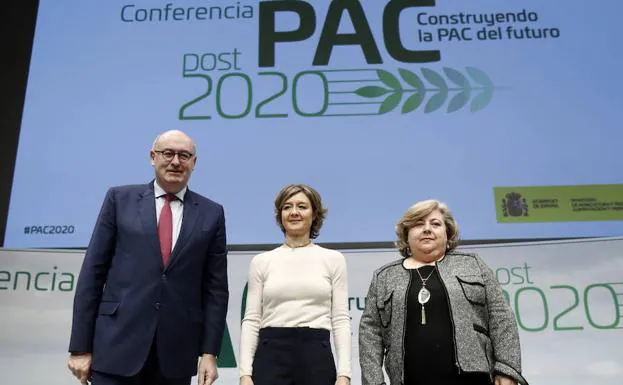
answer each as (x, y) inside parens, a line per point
(125, 298)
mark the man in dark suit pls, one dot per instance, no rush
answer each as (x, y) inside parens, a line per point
(152, 293)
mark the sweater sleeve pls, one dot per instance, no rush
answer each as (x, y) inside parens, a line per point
(371, 344)
(340, 317)
(503, 329)
(251, 322)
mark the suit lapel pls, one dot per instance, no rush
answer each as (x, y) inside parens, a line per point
(189, 219)
(147, 214)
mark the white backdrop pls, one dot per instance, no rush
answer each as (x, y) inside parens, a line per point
(568, 297)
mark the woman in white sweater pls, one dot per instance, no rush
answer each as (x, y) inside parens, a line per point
(297, 296)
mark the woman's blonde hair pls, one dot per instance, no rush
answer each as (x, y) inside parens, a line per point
(419, 211)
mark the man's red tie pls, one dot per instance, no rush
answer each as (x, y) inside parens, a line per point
(165, 228)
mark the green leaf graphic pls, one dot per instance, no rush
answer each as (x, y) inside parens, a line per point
(413, 102)
(482, 100)
(371, 91)
(459, 100)
(436, 101)
(434, 78)
(390, 80)
(456, 87)
(390, 102)
(479, 77)
(412, 79)
(456, 77)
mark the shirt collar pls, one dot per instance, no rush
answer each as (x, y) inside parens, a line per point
(159, 192)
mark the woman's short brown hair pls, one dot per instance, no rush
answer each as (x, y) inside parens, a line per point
(319, 212)
(419, 211)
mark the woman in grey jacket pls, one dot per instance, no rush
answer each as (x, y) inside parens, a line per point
(437, 316)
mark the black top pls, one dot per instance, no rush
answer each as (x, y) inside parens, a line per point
(429, 349)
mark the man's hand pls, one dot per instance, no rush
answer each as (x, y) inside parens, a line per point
(246, 380)
(503, 380)
(207, 373)
(80, 366)
(342, 380)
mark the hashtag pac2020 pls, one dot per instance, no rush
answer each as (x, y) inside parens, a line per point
(49, 229)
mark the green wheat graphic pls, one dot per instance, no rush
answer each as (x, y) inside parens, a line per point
(430, 90)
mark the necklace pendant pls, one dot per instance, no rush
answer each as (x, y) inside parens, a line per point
(423, 296)
(423, 315)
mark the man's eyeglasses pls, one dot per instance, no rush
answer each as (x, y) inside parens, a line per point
(168, 155)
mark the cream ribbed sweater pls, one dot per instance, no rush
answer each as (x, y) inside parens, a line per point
(301, 287)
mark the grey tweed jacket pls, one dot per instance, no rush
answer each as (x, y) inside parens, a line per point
(486, 338)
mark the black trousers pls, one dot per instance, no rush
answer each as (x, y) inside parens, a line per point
(150, 374)
(432, 378)
(293, 356)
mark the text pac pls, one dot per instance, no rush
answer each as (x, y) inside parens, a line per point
(329, 36)
(450, 34)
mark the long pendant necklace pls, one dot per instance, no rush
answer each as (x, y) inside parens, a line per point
(423, 295)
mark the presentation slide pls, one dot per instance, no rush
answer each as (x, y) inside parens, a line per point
(510, 112)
